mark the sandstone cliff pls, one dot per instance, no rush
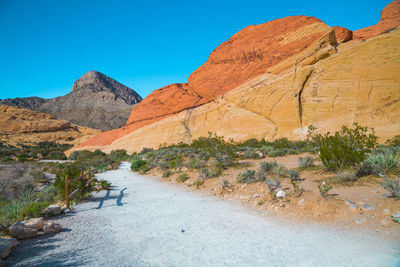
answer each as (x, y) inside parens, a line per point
(24, 126)
(96, 101)
(274, 80)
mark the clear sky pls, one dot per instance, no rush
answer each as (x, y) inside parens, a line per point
(45, 45)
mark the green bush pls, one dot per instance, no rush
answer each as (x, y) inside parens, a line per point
(324, 187)
(195, 164)
(273, 183)
(247, 176)
(166, 173)
(306, 162)
(267, 166)
(33, 209)
(206, 173)
(346, 176)
(294, 175)
(182, 178)
(137, 163)
(118, 155)
(198, 183)
(393, 186)
(104, 184)
(280, 170)
(346, 147)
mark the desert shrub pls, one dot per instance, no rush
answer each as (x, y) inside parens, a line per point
(294, 175)
(57, 155)
(162, 165)
(273, 183)
(280, 170)
(267, 166)
(198, 183)
(104, 184)
(182, 178)
(324, 187)
(383, 163)
(137, 163)
(175, 163)
(392, 185)
(166, 173)
(48, 194)
(395, 141)
(195, 164)
(144, 168)
(118, 155)
(306, 162)
(346, 176)
(251, 153)
(346, 147)
(206, 173)
(247, 176)
(276, 153)
(33, 209)
(223, 152)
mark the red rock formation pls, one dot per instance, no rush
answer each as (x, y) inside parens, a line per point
(244, 56)
(390, 19)
(342, 34)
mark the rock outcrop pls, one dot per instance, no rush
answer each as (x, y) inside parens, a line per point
(390, 19)
(269, 81)
(24, 126)
(96, 101)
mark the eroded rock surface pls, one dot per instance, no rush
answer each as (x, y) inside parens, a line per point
(274, 80)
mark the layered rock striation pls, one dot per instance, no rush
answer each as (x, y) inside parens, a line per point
(274, 80)
(24, 126)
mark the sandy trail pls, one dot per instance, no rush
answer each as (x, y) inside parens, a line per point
(144, 222)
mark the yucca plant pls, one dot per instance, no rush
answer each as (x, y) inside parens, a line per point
(384, 162)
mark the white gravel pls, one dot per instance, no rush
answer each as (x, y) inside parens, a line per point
(156, 224)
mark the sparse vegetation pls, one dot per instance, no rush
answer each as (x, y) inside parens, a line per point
(393, 186)
(345, 148)
(306, 162)
(247, 176)
(166, 173)
(324, 187)
(273, 184)
(182, 178)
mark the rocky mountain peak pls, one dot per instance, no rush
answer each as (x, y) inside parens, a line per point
(94, 81)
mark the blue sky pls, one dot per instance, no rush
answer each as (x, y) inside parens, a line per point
(45, 45)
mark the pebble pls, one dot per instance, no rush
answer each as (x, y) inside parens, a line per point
(359, 221)
(349, 202)
(256, 196)
(281, 194)
(353, 207)
(182, 231)
(301, 201)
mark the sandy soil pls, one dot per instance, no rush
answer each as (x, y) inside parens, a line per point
(144, 222)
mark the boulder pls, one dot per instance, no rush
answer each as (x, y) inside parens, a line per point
(342, 34)
(38, 223)
(281, 194)
(50, 228)
(53, 210)
(367, 207)
(21, 231)
(6, 245)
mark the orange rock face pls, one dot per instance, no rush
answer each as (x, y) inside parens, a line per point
(390, 19)
(342, 34)
(274, 80)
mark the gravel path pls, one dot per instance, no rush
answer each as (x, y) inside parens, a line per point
(144, 222)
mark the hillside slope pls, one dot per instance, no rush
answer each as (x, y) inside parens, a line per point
(96, 101)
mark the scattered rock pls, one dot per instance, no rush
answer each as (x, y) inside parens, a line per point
(349, 202)
(182, 231)
(6, 245)
(256, 196)
(260, 154)
(281, 194)
(51, 228)
(38, 223)
(359, 221)
(53, 210)
(301, 201)
(353, 207)
(21, 231)
(367, 207)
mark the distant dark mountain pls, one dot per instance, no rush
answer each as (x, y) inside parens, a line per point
(96, 101)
